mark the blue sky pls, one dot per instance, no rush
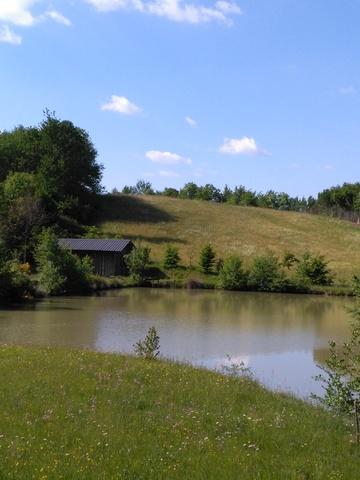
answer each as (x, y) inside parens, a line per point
(260, 93)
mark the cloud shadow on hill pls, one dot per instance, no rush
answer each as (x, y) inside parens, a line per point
(131, 208)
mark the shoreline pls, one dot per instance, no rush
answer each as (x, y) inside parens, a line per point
(108, 284)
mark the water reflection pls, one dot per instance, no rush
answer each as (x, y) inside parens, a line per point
(281, 337)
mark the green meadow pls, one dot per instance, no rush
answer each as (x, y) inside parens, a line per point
(70, 415)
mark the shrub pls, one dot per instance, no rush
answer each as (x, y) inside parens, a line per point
(137, 261)
(289, 260)
(219, 265)
(171, 192)
(314, 269)
(15, 284)
(232, 276)
(51, 281)
(77, 271)
(341, 381)
(59, 270)
(172, 257)
(207, 259)
(148, 348)
(266, 274)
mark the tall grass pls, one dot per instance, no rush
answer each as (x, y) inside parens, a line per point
(83, 415)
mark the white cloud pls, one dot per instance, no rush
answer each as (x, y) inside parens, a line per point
(175, 10)
(190, 121)
(329, 167)
(8, 36)
(121, 105)
(241, 146)
(20, 13)
(17, 12)
(167, 158)
(347, 90)
(168, 174)
(58, 17)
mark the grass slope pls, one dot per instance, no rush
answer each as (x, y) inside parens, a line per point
(246, 231)
(83, 415)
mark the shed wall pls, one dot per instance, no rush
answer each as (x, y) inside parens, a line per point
(108, 264)
(104, 262)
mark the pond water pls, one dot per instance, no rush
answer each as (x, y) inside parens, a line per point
(281, 338)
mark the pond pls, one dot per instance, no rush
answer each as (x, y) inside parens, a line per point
(281, 338)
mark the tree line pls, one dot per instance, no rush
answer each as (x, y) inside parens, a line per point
(340, 201)
(267, 272)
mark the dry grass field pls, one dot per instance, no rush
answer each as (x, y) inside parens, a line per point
(246, 231)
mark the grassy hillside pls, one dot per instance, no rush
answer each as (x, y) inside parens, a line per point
(246, 231)
(83, 415)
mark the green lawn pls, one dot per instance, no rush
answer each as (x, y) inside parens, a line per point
(84, 415)
(246, 231)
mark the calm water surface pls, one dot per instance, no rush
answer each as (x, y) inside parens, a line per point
(280, 337)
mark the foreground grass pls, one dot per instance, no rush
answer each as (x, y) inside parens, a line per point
(246, 231)
(83, 415)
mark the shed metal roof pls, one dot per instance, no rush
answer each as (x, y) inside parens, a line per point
(94, 244)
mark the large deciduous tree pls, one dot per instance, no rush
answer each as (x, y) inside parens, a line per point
(21, 211)
(62, 157)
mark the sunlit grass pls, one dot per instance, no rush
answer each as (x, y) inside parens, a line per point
(246, 231)
(83, 415)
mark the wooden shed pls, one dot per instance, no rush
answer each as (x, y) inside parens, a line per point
(107, 254)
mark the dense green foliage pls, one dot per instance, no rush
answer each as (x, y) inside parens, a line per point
(346, 197)
(48, 177)
(141, 188)
(47, 173)
(15, 283)
(232, 276)
(171, 257)
(63, 160)
(85, 415)
(341, 378)
(137, 261)
(207, 259)
(59, 270)
(266, 274)
(313, 269)
(22, 212)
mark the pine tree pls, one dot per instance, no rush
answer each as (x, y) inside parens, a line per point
(171, 258)
(207, 258)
